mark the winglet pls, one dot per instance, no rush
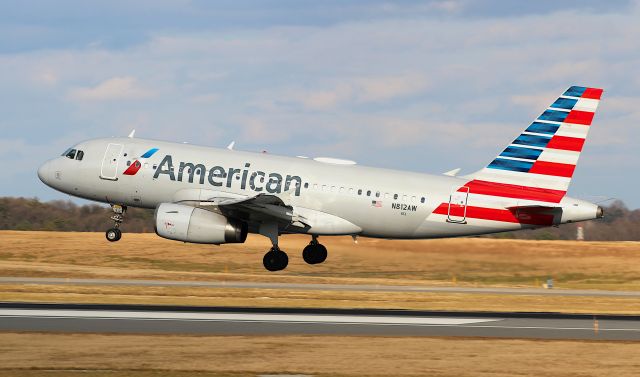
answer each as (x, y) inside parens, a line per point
(452, 173)
(132, 134)
(231, 145)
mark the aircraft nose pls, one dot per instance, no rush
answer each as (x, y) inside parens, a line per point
(44, 172)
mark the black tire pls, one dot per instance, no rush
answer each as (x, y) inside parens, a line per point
(314, 253)
(275, 260)
(113, 234)
(321, 253)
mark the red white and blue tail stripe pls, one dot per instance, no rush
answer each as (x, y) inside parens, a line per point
(523, 185)
(538, 164)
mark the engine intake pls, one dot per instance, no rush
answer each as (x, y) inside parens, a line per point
(190, 224)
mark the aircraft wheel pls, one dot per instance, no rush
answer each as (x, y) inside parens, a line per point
(275, 260)
(113, 234)
(314, 253)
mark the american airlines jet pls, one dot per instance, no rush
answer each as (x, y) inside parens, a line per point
(215, 196)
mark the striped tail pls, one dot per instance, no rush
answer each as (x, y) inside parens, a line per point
(538, 164)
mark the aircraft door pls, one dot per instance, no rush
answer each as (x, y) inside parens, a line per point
(458, 205)
(109, 169)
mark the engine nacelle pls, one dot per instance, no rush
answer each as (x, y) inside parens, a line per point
(190, 224)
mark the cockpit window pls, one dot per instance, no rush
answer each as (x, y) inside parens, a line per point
(70, 153)
(79, 155)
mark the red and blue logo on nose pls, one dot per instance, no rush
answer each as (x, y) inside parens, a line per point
(136, 165)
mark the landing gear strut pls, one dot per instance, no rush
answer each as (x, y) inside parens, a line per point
(315, 252)
(275, 259)
(114, 234)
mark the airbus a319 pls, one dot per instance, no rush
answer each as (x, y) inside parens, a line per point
(216, 196)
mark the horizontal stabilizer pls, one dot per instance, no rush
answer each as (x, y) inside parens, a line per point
(452, 173)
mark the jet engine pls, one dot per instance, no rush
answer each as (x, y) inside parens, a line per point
(190, 224)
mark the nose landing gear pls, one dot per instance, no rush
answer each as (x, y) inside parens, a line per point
(114, 234)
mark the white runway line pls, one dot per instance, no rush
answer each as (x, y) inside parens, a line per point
(242, 317)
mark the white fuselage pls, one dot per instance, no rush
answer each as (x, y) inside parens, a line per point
(338, 197)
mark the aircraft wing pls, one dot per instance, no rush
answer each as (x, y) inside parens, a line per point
(256, 208)
(262, 208)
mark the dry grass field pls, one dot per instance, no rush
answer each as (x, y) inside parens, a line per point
(461, 262)
(90, 355)
(468, 261)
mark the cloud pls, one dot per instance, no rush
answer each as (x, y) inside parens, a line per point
(412, 87)
(361, 90)
(115, 88)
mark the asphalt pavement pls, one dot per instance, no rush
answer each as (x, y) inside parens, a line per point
(158, 319)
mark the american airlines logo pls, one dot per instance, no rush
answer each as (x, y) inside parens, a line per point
(218, 176)
(136, 165)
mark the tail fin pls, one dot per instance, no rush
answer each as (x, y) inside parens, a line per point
(539, 164)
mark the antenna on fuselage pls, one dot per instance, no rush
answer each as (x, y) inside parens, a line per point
(231, 145)
(132, 134)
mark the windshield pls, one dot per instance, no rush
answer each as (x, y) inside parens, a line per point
(70, 153)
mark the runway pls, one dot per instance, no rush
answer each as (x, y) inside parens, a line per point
(96, 318)
(321, 287)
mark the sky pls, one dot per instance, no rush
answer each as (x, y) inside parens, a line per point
(426, 86)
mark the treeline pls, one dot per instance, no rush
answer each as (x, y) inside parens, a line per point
(619, 223)
(60, 215)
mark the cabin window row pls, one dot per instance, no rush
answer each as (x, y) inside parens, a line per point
(360, 192)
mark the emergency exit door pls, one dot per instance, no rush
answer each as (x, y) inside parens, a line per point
(458, 205)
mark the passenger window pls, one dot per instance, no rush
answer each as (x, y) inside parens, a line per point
(422, 200)
(386, 195)
(80, 155)
(377, 194)
(71, 154)
(306, 185)
(351, 191)
(404, 198)
(368, 192)
(413, 199)
(128, 163)
(315, 186)
(395, 196)
(360, 192)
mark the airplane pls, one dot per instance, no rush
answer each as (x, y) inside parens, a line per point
(219, 195)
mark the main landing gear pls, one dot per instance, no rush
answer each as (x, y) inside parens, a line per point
(277, 260)
(114, 234)
(315, 252)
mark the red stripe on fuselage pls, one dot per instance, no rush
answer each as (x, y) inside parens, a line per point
(552, 168)
(133, 168)
(579, 117)
(566, 143)
(506, 190)
(519, 216)
(593, 93)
